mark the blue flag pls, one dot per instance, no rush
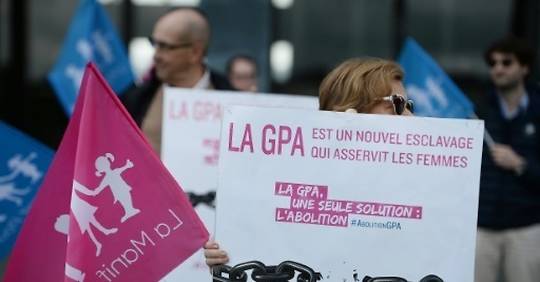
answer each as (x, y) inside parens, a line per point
(23, 163)
(433, 92)
(91, 37)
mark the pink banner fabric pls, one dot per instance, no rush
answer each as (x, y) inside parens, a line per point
(108, 210)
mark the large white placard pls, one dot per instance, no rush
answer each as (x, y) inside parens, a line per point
(350, 195)
(190, 149)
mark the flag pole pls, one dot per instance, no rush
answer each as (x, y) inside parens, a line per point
(487, 137)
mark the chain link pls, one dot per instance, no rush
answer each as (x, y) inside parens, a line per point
(428, 278)
(206, 199)
(285, 271)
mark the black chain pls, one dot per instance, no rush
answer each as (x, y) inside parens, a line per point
(220, 270)
(285, 271)
(428, 278)
(207, 199)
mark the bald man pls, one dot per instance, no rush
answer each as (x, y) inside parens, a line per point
(180, 38)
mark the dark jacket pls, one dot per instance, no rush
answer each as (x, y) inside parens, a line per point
(506, 199)
(138, 98)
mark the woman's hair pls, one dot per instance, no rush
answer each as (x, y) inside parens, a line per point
(357, 84)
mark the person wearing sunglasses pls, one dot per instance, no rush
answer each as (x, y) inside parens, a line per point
(365, 85)
(180, 38)
(358, 85)
(508, 238)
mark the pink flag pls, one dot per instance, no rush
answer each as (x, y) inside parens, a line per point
(108, 210)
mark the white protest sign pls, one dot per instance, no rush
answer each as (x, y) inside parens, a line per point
(190, 149)
(350, 195)
(191, 130)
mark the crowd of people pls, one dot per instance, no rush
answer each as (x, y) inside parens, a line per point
(508, 241)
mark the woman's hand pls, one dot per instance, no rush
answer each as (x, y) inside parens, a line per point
(214, 255)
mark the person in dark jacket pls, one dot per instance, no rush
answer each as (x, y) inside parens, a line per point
(508, 240)
(180, 38)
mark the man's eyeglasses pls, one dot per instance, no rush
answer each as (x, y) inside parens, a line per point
(505, 62)
(400, 103)
(167, 46)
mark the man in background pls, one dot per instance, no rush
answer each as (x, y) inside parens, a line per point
(508, 240)
(180, 37)
(242, 73)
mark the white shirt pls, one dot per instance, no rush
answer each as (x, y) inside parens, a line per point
(204, 82)
(506, 113)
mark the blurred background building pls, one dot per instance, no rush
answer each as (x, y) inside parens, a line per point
(296, 42)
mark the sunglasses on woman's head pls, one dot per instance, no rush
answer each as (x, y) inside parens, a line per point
(400, 103)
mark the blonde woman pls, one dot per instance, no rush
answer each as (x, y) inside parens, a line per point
(367, 85)
(358, 85)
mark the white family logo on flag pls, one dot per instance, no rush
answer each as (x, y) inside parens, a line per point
(62, 225)
(23, 163)
(432, 90)
(84, 212)
(424, 94)
(86, 51)
(19, 167)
